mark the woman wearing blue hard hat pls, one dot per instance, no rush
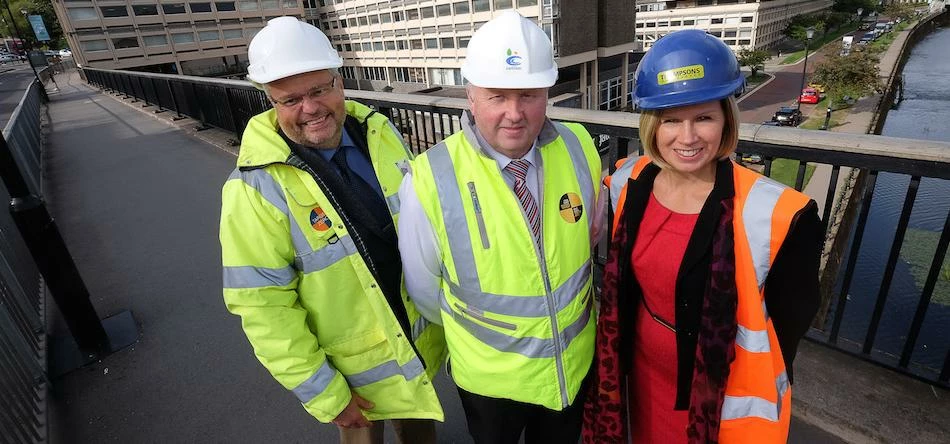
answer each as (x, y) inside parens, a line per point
(712, 276)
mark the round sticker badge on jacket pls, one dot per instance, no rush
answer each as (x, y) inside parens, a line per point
(319, 220)
(571, 208)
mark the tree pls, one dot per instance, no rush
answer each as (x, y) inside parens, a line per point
(851, 6)
(903, 11)
(796, 27)
(43, 8)
(753, 58)
(854, 75)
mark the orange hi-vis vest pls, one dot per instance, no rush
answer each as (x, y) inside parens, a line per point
(758, 402)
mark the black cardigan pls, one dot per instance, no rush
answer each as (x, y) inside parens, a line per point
(791, 289)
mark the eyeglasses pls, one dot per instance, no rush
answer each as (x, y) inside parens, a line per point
(315, 93)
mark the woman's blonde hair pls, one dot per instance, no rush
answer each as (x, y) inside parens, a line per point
(650, 120)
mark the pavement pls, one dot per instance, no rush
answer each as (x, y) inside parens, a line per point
(137, 197)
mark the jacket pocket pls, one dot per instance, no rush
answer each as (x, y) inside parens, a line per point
(359, 354)
(478, 316)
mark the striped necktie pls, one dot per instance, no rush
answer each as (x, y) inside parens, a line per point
(519, 170)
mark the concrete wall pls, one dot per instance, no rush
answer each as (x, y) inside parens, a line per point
(615, 22)
(575, 30)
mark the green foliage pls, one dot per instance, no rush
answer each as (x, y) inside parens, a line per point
(904, 11)
(753, 58)
(918, 251)
(851, 6)
(854, 75)
(43, 8)
(786, 170)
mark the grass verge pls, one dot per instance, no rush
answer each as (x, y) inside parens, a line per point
(786, 170)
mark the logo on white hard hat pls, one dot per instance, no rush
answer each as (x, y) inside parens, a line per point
(513, 60)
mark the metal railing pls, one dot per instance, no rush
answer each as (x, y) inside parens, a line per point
(862, 159)
(23, 376)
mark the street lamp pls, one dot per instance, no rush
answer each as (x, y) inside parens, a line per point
(809, 33)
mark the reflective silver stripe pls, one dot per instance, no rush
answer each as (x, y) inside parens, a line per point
(618, 179)
(272, 192)
(326, 256)
(524, 306)
(755, 341)
(418, 327)
(757, 220)
(316, 384)
(408, 371)
(738, 407)
(453, 215)
(393, 202)
(255, 277)
(527, 346)
(581, 168)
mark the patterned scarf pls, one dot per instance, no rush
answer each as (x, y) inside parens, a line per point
(604, 411)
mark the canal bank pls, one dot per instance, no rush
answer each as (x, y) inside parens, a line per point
(855, 400)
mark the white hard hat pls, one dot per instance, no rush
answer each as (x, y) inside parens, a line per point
(510, 52)
(287, 47)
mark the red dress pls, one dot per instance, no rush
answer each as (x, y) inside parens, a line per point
(659, 249)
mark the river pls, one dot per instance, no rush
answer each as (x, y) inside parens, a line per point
(923, 114)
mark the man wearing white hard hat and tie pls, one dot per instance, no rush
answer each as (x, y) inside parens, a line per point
(309, 247)
(495, 233)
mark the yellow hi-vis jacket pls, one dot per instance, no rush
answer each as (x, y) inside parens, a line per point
(308, 302)
(758, 401)
(518, 318)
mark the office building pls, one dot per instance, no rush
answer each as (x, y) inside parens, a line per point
(196, 38)
(750, 24)
(408, 46)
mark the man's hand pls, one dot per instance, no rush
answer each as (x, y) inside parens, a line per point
(352, 415)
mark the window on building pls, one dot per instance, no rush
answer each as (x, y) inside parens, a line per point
(390, 45)
(125, 42)
(249, 33)
(377, 46)
(362, 20)
(443, 10)
(447, 42)
(347, 72)
(463, 41)
(461, 7)
(232, 34)
(729, 34)
(386, 18)
(173, 8)
(446, 76)
(351, 21)
(224, 6)
(651, 24)
(412, 14)
(744, 41)
(502, 4)
(731, 21)
(206, 36)
(347, 47)
(427, 12)
(716, 21)
(139, 10)
(523, 3)
(715, 33)
(415, 44)
(610, 94)
(94, 45)
(269, 4)
(154, 40)
(481, 5)
(82, 14)
(398, 16)
(247, 5)
(200, 7)
(745, 33)
(367, 46)
(730, 42)
(639, 25)
(184, 37)
(432, 43)
(702, 22)
(747, 19)
(402, 44)
(689, 22)
(662, 24)
(114, 11)
(676, 23)
(374, 19)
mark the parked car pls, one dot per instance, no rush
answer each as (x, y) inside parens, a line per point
(788, 116)
(751, 158)
(65, 52)
(818, 86)
(809, 95)
(4, 58)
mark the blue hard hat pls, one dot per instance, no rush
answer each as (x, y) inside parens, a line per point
(686, 68)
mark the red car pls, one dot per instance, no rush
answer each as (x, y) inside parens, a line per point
(810, 95)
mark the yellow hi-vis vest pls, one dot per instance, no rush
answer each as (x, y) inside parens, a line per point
(518, 318)
(308, 302)
(758, 403)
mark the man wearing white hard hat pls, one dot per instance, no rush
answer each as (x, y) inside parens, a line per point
(495, 234)
(309, 247)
